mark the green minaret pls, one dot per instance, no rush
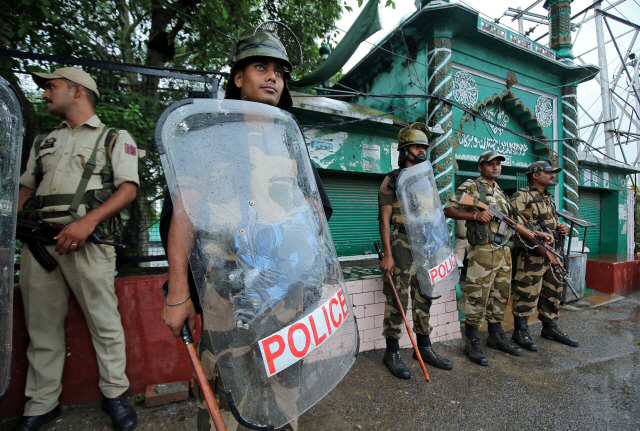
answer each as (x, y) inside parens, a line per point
(560, 27)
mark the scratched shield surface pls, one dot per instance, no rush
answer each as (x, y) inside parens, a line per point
(274, 299)
(11, 133)
(427, 231)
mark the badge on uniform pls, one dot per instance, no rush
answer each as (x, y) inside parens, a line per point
(130, 149)
(48, 143)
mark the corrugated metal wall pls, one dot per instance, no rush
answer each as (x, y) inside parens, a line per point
(589, 209)
(354, 223)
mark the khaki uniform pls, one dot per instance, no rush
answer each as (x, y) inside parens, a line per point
(488, 283)
(88, 273)
(404, 277)
(535, 284)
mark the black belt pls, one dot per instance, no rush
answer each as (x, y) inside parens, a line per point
(400, 229)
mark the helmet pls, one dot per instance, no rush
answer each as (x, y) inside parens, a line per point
(414, 134)
(269, 39)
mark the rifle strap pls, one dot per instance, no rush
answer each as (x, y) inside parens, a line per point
(37, 170)
(86, 176)
(482, 191)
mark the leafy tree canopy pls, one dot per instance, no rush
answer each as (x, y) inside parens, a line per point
(192, 34)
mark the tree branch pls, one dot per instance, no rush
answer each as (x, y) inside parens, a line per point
(100, 50)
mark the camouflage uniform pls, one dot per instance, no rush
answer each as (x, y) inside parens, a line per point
(489, 265)
(204, 422)
(535, 285)
(404, 276)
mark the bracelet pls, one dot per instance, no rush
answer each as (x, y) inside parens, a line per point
(177, 303)
(474, 215)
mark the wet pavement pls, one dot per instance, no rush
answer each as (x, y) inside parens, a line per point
(593, 387)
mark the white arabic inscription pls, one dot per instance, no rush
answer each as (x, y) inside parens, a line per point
(485, 144)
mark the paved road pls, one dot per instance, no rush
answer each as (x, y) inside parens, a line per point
(593, 387)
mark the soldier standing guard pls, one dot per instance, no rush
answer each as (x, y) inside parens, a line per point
(83, 174)
(536, 285)
(489, 270)
(260, 64)
(398, 261)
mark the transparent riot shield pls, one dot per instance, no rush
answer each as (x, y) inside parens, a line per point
(11, 132)
(427, 231)
(274, 300)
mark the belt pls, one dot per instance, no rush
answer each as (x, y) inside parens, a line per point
(57, 200)
(400, 229)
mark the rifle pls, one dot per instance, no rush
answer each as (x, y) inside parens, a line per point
(404, 317)
(37, 234)
(527, 235)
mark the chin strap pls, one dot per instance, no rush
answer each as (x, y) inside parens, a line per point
(418, 159)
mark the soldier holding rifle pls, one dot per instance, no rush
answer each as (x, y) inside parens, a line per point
(398, 261)
(536, 285)
(489, 270)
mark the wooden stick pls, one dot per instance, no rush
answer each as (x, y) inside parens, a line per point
(202, 379)
(404, 317)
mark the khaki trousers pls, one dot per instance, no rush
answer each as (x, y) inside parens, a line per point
(89, 274)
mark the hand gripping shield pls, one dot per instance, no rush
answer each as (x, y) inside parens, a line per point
(427, 230)
(11, 132)
(274, 300)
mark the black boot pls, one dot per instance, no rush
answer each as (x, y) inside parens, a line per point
(393, 361)
(123, 416)
(429, 355)
(550, 331)
(498, 340)
(32, 423)
(473, 349)
(521, 334)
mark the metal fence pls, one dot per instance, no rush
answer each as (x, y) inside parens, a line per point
(132, 98)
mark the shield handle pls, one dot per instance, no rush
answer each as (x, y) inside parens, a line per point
(242, 421)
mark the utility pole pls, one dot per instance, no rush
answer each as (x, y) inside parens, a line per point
(605, 91)
(636, 85)
(520, 22)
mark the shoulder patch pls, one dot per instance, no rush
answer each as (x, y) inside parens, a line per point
(48, 143)
(130, 149)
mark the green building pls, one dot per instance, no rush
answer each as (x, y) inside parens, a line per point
(452, 51)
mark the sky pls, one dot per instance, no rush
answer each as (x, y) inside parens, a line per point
(584, 39)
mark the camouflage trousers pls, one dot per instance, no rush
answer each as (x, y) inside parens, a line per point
(488, 284)
(405, 279)
(204, 420)
(536, 288)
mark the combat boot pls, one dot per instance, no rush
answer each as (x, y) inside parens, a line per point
(550, 331)
(499, 340)
(473, 350)
(393, 361)
(431, 357)
(521, 334)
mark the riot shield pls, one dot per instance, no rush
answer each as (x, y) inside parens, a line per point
(427, 231)
(11, 132)
(273, 296)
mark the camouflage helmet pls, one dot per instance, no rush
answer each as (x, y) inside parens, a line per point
(269, 39)
(414, 134)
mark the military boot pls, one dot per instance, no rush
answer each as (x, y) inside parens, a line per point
(473, 350)
(393, 361)
(521, 334)
(500, 341)
(431, 357)
(550, 331)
